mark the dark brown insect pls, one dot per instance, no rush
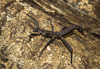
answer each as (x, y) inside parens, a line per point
(55, 35)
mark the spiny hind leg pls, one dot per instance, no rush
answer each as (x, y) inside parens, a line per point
(69, 48)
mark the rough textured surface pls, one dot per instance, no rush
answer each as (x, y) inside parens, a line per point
(17, 52)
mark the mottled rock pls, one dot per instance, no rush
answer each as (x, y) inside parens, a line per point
(17, 50)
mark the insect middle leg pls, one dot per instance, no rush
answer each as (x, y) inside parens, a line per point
(46, 45)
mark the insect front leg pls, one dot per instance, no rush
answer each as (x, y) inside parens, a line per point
(34, 34)
(37, 26)
(31, 36)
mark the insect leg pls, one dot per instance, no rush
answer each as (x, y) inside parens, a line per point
(63, 28)
(37, 26)
(33, 34)
(52, 27)
(69, 48)
(46, 45)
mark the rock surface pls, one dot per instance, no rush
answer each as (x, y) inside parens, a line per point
(17, 51)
